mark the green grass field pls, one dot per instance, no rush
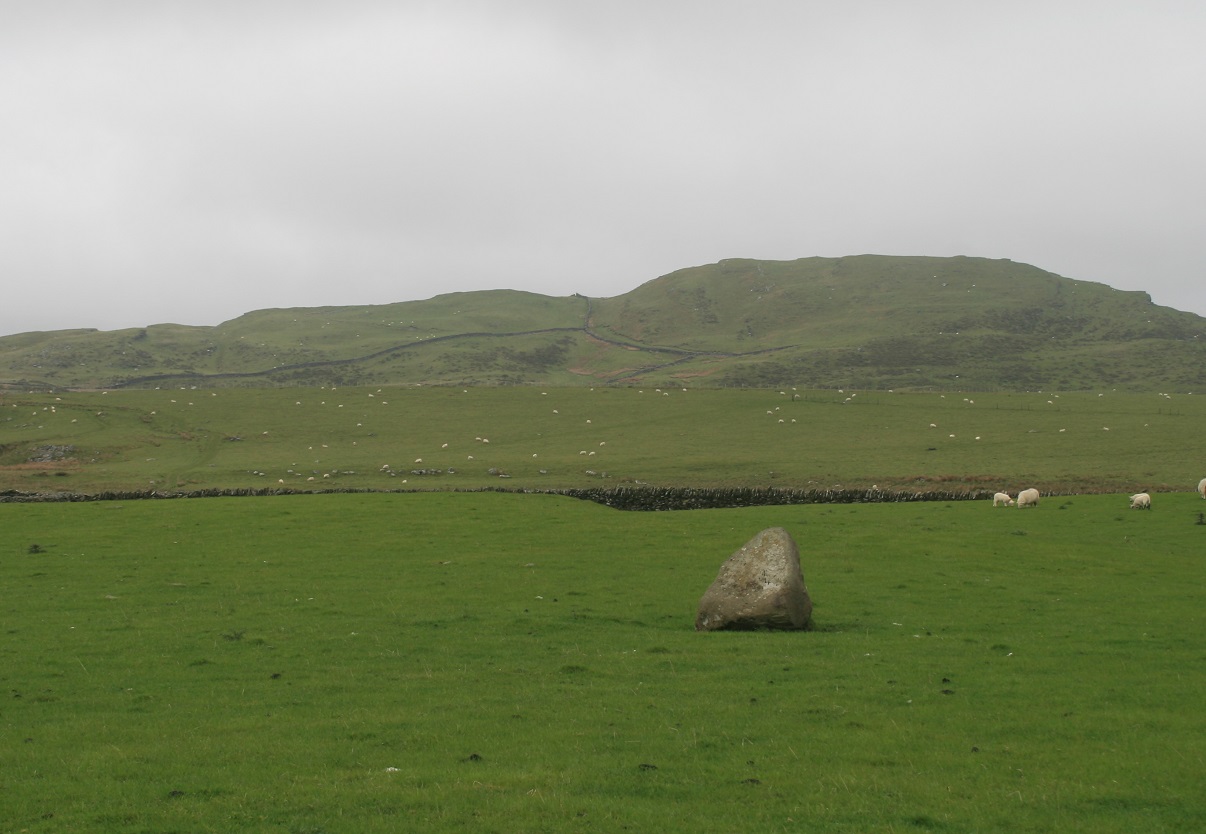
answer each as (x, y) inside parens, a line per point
(552, 438)
(489, 662)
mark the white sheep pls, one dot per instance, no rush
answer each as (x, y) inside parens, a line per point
(1002, 499)
(1141, 501)
(1202, 487)
(1028, 498)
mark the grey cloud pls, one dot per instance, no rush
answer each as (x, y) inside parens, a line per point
(191, 161)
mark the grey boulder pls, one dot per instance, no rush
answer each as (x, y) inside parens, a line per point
(761, 586)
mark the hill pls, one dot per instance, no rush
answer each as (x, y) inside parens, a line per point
(865, 321)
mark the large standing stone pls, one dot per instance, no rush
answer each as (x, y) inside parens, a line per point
(760, 586)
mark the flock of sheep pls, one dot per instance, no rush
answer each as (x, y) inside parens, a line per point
(1030, 498)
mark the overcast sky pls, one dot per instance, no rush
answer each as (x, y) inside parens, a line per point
(177, 161)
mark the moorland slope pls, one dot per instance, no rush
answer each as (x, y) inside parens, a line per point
(865, 321)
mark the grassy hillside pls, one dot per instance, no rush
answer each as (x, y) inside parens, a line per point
(867, 321)
(320, 345)
(554, 438)
(874, 321)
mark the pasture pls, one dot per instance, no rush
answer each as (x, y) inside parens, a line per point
(492, 662)
(411, 438)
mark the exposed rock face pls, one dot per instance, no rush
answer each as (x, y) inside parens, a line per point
(48, 454)
(760, 586)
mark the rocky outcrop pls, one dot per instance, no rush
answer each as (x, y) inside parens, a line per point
(49, 454)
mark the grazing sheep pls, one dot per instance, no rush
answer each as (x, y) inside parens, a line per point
(1141, 501)
(1028, 498)
(1002, 499)
(1202, 487)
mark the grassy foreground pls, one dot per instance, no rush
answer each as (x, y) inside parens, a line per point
(486, 662)
(378, 438)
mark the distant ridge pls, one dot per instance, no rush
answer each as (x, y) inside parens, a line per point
(866, 321)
